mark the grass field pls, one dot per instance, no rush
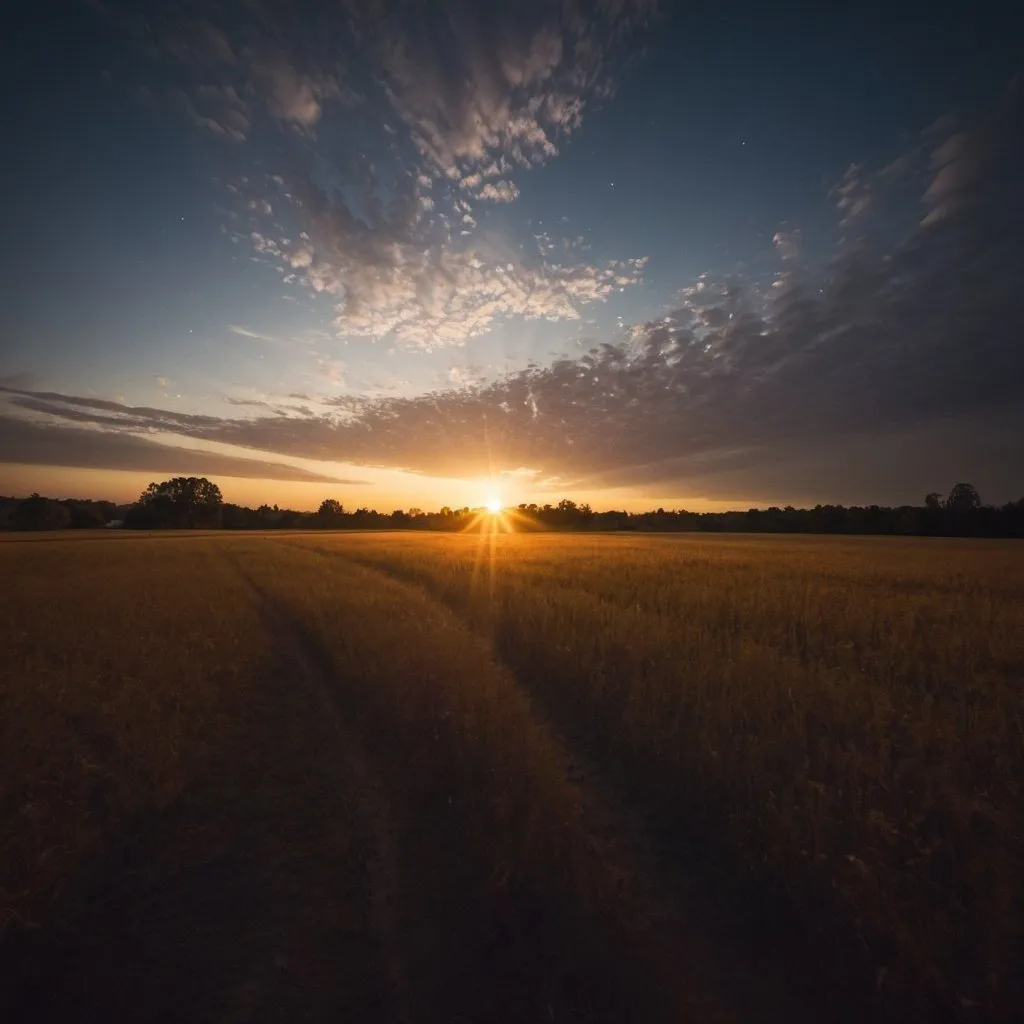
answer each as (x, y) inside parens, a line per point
(496, 777)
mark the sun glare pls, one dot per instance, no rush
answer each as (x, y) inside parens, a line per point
(494, 505)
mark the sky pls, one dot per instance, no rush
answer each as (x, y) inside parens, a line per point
(401, 254)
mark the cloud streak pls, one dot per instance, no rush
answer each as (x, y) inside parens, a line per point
(384, 222)
(47, 444)
(739, 386)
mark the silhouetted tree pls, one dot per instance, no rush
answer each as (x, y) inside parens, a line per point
(89, 515)
(329, 514)
(963, 508)
(963, 498)
(36, 513)
(183, 503)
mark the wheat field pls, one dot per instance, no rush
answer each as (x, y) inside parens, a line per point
(512, 777)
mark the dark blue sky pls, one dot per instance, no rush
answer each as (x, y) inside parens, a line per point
(353, 241)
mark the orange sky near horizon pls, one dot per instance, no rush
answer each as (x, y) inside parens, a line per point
(385, 490)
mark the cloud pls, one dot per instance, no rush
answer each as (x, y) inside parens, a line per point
(905, 356)
(21, 379)
(474, 87)
(28, 443)
(216, 109)
(461, 376)
(255, 403)
(481, 92)
(292, 96)
(787, 243)
(333, 371)
(499, 192)
(393, 277)
(853, 195)
(246, 332)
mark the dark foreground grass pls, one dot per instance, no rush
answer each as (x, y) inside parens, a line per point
(833, 727)
(177, 845)
(171, 845)
(825, 738)
(508, 916)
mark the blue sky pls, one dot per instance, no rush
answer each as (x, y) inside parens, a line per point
(309, 243)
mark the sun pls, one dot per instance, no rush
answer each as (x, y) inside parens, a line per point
(493, 505)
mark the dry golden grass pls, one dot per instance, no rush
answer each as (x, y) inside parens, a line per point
(154, 772)
(825, 733)
(842, 718)
(507, 917)
(121, 671)
(171, 715)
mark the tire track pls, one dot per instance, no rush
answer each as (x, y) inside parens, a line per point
(690, 969)
(373, 807)
(681, 927)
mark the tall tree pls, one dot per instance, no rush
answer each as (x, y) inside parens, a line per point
(963, 498)
(183, 503)
(38, 513)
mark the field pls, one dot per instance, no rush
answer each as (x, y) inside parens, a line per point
(387, 777)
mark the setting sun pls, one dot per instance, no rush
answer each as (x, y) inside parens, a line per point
(493, 505)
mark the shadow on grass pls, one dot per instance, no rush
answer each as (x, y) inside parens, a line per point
(787, 948)
(241, 900)
(796, 952)
(484, 942)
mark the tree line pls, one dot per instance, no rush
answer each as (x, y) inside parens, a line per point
(196, 503)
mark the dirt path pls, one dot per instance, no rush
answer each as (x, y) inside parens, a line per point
(673, 920)
(678, 955)
(354, 771)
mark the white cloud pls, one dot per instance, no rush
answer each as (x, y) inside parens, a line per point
(446, 295)
(787, 243)
(333, 371)
(301, 257)
(854, 194)
(475, 108)
(499, 191)
(485, 94)
(293, 97)
(461, 376)
(247, 332)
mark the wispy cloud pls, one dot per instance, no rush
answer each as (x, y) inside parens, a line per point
(853, 195)
(247, 332)
(480, 89)
(379, 222)
(787, 244)
(738, 383)
(499, 192)
(48, 444)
